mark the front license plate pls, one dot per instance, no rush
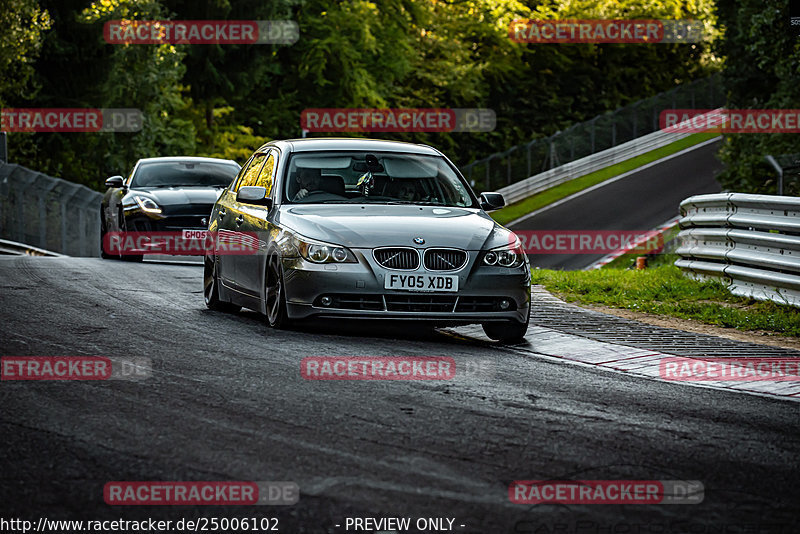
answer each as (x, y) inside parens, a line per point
(421, 282)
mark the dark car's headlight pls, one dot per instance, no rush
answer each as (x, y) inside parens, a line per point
(147, 204)
(510, 256)
(321, 252)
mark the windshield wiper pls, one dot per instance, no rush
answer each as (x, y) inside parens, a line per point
(413, 202)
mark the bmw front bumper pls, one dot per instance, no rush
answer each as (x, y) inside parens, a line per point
(486, 293)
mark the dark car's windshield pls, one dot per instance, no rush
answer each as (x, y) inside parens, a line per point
(373, 177)
(184, 173)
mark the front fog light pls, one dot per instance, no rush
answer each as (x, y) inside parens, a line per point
(505, 304)
(326, 301)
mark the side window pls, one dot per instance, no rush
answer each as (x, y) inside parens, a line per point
(265, 178)
(250, 172)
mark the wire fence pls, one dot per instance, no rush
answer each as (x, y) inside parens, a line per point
(49, 213)
(586, 138)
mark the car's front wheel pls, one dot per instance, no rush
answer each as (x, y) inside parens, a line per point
(211, 289)
(275, 294)
(508, 331)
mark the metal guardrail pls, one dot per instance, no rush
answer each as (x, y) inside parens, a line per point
(590, 137)
(49, 213)
(21, 249)
(750, 241)
(595, 162)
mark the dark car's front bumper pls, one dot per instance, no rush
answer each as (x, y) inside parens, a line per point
(172, 219)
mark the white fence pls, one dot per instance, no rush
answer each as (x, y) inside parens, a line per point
(750, 241)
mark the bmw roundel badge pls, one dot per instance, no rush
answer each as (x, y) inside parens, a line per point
(419, 241)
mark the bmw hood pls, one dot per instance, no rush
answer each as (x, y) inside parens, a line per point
(374, 225)
(170, 196)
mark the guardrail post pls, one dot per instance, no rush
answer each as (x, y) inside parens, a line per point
(508, 164)
(778, 168)
(614, 132)
(43, 191)
(85, 230)
(528, 157)
(23, 181)
(655, 118)
(65, 199)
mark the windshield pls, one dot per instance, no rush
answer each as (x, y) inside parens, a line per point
(185, 173)
(373, 178)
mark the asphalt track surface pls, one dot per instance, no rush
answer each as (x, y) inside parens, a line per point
(226, 402)
(641, 201)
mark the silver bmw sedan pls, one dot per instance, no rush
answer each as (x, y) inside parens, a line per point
(361, 228)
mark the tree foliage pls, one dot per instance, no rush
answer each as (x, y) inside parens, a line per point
(762, 71)
(225, 100)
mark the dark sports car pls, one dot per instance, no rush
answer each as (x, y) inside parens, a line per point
(366, 229)
(168, 194)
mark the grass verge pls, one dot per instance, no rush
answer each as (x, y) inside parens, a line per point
(540, 200)
(663, 290)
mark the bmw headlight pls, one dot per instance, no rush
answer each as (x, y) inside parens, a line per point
(510, 256)
(321, 252)
(147, 204)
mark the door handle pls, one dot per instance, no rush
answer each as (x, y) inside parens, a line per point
(222, 213)
(239, 220)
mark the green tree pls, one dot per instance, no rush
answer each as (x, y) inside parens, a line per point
(762, 71)
(22, 23)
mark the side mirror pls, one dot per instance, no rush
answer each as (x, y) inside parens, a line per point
(492, 201)
(115, 181)
(251, 194)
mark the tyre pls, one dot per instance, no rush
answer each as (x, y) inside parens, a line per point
(275, 294)
(211, 289)
(129, 257)
(507, 332)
